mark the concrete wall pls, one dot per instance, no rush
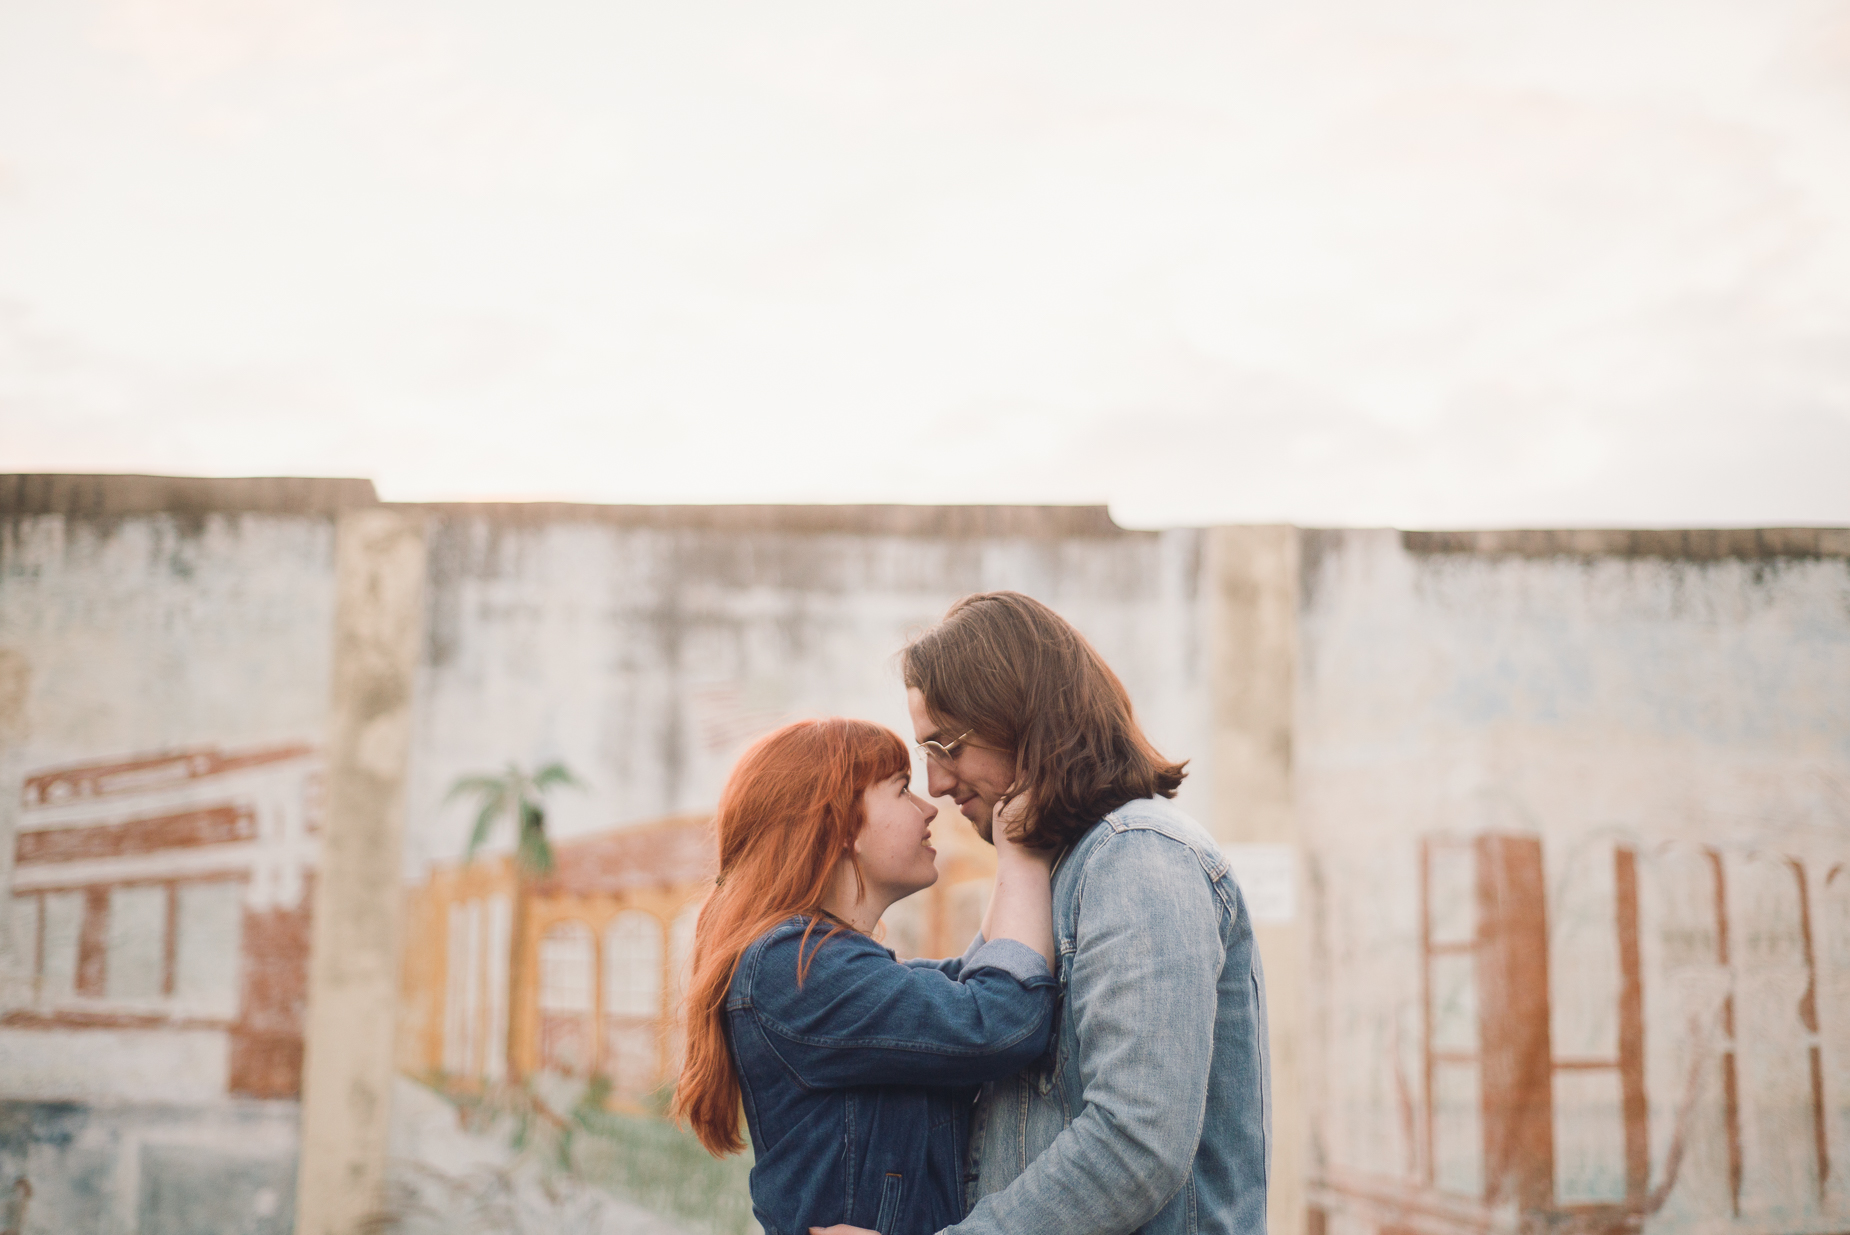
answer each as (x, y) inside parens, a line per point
(164, 668)
(1544, 832)
(1577, 808)
(647, 654)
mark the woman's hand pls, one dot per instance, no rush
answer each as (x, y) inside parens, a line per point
(1022, 906)
(1008, 849)
(841, 1229)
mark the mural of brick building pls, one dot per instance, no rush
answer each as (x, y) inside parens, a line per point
(169, 894)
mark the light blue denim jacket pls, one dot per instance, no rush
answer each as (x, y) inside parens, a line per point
(1152, 1111)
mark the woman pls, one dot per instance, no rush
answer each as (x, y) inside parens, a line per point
(856, 1073)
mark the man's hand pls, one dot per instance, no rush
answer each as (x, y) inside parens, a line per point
(841, 1229)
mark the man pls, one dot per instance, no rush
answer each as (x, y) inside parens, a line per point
(1152, 1111)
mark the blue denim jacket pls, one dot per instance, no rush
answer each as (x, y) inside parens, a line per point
(858, 1083)
(1154, 1111)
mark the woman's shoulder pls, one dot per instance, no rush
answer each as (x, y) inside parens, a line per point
(768, 967)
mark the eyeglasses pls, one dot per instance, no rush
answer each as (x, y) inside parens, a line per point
(944, 754)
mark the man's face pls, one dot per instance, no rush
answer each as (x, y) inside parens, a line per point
(975, 778)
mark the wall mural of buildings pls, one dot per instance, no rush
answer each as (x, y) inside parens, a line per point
(1545, 835)
(163, 699)
(1590, 975)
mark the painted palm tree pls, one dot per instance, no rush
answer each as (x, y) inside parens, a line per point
(521, 796)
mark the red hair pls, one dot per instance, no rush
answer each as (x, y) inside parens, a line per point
(789, 814)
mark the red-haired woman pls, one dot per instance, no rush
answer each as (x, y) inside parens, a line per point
(856, 1072)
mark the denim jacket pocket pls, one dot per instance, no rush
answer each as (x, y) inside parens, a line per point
(889, 1202)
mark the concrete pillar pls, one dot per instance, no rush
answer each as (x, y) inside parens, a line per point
(353, 962)
(1251, 597)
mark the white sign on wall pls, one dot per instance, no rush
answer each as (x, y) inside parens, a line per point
(1268, 879)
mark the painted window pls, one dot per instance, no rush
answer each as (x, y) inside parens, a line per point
(60, 936)
(172, 947)
(680, 973)
(567, 973)
(632, 1002)
(135, 969)
(207, 927)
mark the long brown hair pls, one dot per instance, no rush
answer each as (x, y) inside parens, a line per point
(1020, 676)
(789, 814)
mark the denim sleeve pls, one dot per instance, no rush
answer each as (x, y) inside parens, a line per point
(860, 1018)
(1147, 958)
(951, 967)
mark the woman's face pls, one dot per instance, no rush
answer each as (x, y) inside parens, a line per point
(894, 847)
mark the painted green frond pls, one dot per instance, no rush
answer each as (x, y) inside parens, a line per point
(554, 774)
(492, 809)
(475, 784)
(518, 796)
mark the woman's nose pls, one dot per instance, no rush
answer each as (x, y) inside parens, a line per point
(928, 808)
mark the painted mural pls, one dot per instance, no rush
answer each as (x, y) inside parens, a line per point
(163, 692)
(646, 658)
(1590, 972)
(1570, 813)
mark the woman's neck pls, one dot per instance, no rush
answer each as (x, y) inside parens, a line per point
(859, 907)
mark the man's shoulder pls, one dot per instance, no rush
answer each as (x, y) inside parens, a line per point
(1146, 825)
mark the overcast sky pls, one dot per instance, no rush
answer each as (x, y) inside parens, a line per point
(1420, 262)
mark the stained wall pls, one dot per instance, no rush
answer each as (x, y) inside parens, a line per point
(1577, 816)
(164, 662)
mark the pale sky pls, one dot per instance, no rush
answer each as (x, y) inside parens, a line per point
(1422, 262)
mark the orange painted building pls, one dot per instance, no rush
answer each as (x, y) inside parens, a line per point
(580, 972)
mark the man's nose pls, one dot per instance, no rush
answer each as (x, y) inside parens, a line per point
(937, 780)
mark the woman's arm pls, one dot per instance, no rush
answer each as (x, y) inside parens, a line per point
(1021, 907)
(858, 1018)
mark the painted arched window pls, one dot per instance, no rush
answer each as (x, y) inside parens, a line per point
(567, 971)
(680, 972)
(632, 1002)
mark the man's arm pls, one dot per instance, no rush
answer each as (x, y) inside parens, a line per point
(1142, 994)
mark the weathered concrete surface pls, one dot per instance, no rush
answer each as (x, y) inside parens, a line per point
(178, 497)
(1251, 588)
(1578, 811)
(347, 1078)
(126, 638)
(646, 657)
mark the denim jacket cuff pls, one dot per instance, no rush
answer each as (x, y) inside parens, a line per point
(1012, 957)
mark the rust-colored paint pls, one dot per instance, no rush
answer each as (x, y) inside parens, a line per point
(216, 825)
(85, 781)
(1808, 1017)
(1635, 1109)
(1516, 1054)
(93, 943)
(266, 1039)
(170, 949)
(1731, 1094)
